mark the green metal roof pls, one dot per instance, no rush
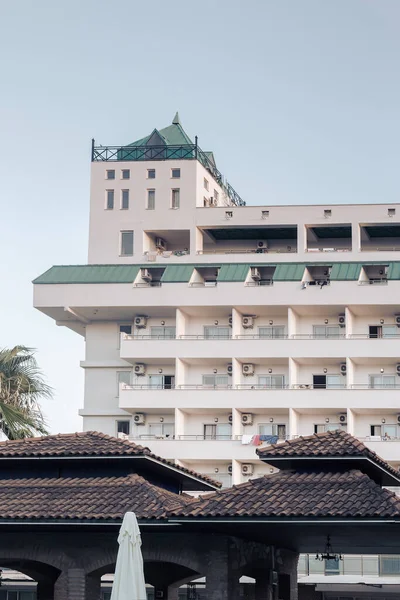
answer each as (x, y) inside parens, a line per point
(173, 135)
(90, 274)
(289, 272)
(233, 272)
(181, 273)
(345, 271)
(177, 273)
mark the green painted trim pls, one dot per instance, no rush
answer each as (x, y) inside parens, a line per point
(345, 271)
(233, 272)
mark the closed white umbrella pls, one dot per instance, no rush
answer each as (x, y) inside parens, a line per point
(129, 581)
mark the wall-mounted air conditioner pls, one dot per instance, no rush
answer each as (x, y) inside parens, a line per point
(248, 322)
(262, 244)
(230, 320)
(397, 319)
(146, 275)
(248, 369)
(141, 322)
(343, 418)
(230, 469)
(255, 274)
(247, 419)
(342, 320)
(398, 368)
(139, 419)
(343, 368)
(139, 369)
(161, 244)
(229, 369)
(230, 418)
(247, 469)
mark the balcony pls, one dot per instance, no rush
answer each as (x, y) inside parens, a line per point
(191, 447)
(388, 449)
(254, 345)
(252, 398)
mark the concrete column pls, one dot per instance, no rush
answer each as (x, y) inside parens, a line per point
(74, 584)
(237, 426)
(263, 589)
(293, 423)
(356, 237)
(301, 239)
(222, 583)
(180, 369)
(349, 378)
(45, 590)
(350, 422)
(293, 372)
(179, 423)
(292, 322)
(236, 472)
(349, 317)
(236, 322)
(181, 322)
(236, 372)
(196, 241)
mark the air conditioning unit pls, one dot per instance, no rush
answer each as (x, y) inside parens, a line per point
(230, 418)
(255, 274)
(343, 418)
(398, 418)
(248, 322)
(229, 369)
(343, 368)
(230, 469)
(139, 369)
(248, 369)
(398, 368)
(161, 244)
(247, 419)
(247, 469)
(141, 322)
(397, 319)
(230, 321)
(139, 419)
(342, 320)
(262, 244)
(146, 275)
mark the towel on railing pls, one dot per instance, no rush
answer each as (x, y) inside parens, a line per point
(246, 439)
(270, 439)
(256, 440)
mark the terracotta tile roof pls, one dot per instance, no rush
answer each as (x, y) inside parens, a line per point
(86, 498)
(291, 494)
(87, 444)
(330, 444)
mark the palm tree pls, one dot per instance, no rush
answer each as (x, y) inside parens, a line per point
(22, 385)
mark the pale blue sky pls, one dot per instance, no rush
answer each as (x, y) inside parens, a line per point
(299, 99)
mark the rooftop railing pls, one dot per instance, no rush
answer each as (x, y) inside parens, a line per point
(162, 152)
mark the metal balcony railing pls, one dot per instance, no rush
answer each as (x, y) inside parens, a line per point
(256, 386)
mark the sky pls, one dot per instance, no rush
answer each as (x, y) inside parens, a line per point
(298, 99)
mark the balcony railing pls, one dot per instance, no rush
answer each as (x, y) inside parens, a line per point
(285, 250)
(273, 336)
(162, 152)
(374, 282)
(255, 386)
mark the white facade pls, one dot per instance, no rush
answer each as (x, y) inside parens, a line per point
(323, 348)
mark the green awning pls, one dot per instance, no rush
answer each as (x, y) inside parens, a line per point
(233, 272)
(89, 274)
(345, 271)
(393, 270)
(289, 272)
(177, 273)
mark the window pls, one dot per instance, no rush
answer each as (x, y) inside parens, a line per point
(332, 566)
(124, 199)
(326, 331)
(162, 382)
(272, 381)
(206, 201)
(264, 214)
(151, 199)
(271, 332)
(124, 329)
(109, 199)
(217, 333)
(328, 427)
(123, 377)
(327, 213)
(126, 243)
(175, 198)
(123, 427)
(110, 174)
(391, 212)
(218, 431)
(386, 431)
(382, 381)
(216, 196)
(151, 173)
(324, 382)
(126, 174)
(206, 185)
(383, 331)
(175, 173)
(389, 565)
(273, 430)
(162, 430)
(163, 333)
(213, 381)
